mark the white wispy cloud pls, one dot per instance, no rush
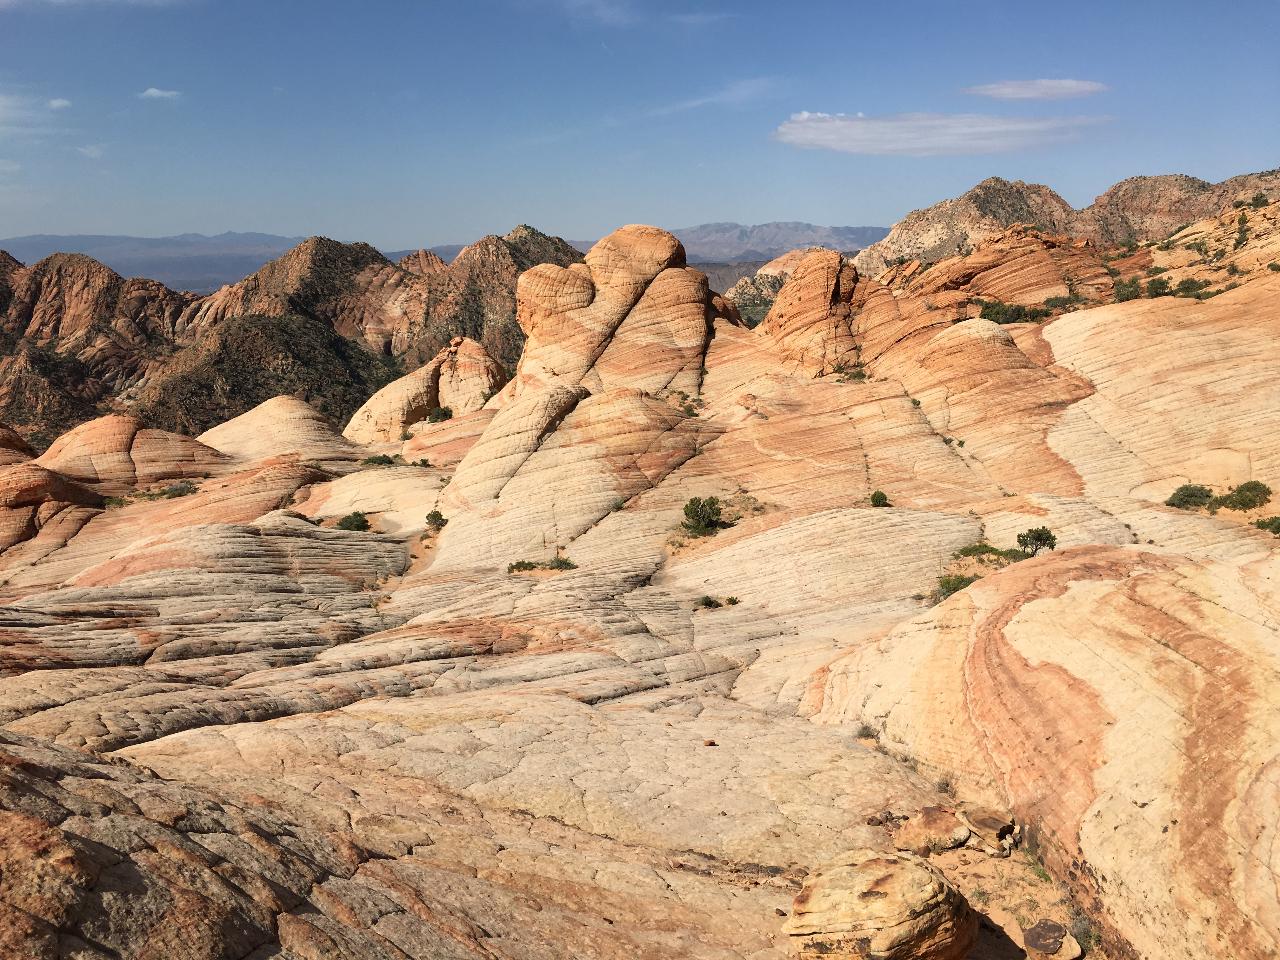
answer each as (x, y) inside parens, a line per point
(9, 168)
(155, 93)
(614, 13)
(699, 18)
(926, 134)
(733, 94)
(1037, 89)
(58, 103)
(94, 151)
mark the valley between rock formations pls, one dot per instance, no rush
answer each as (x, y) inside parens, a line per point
(237, 725)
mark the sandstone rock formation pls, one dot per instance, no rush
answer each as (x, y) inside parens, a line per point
(459, 379)
(870, 904)
(509, 705)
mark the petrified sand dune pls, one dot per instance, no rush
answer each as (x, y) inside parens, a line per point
(460, 379)
(310, 709)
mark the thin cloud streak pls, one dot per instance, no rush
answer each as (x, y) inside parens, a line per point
(94, 151)
(735, 94)
(1037, 89)
(926, 134)
(58, 103)
(155, 93)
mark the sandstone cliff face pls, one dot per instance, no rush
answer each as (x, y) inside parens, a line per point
(404, 741)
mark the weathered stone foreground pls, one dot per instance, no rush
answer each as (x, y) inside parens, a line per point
(231, 729)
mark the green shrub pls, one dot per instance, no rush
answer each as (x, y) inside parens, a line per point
(1156, 271)
(1273, 267)
(110, 502)
(560, 563)
(405, 434)
(1270, 524)
(709, 603)
(520, 565)
(731, 601)
(424, 462)
(702, 516)
(952, 583)
(879, 499)
(1159, 287)
(436, 520)
(998, 312)
(439, 415)
(1037, 539)
(183, 488)
(1259, 200)
(1248, 496)
(354, 521)
(378, 460)
(1130, 289)
(555, 563)
(983, 549)
(1190, 496)
(1189, 287)
(916, 403)
(1061, 303)
(1237, 204)
(1242, 230)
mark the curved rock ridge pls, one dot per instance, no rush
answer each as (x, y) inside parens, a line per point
(117, 454)
(1117, 700)
(32, 498)
(13, 448)
(460, 379)
(281, 426)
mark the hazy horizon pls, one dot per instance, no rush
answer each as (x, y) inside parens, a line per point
(408, 126)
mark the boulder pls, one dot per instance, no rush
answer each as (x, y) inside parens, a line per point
(887, 906)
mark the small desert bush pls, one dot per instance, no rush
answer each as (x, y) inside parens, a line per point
(439, 415)
(1130, 289)
(354, 521)
(1248, 496)
(1190, 496)
(1037, 539)
(951, 583)
(880, 499)
(703, 516)
(436, 520)
(1270, 524)
(378, 460)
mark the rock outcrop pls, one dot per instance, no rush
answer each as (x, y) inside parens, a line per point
(891, 906)
(1132, 211)
(459, 379)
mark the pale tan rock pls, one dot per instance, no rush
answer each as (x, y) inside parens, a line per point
(932, 830)
(280, 426)
(811, 319)
(460, 379)
(871, 904)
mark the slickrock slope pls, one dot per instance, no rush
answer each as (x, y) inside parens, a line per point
(459, 379)
(753, 296)
(287, 715)
(1134, 210)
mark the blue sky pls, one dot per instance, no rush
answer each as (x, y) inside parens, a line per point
(407, 122)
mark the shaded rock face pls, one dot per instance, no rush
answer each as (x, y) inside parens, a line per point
(1134, 210)
(811, 319)
(459, 379)
(896, 907)
(513, 707)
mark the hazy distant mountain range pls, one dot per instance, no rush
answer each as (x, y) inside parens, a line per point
(193, 261)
